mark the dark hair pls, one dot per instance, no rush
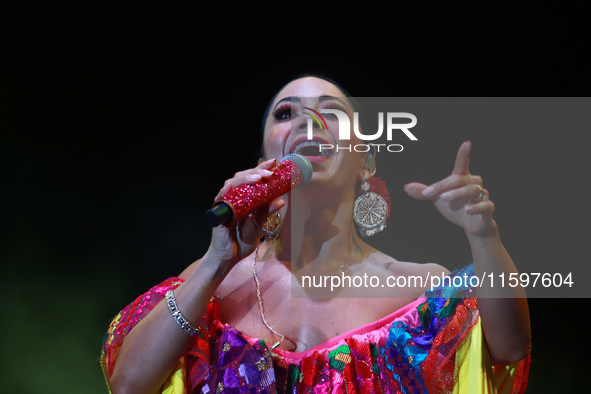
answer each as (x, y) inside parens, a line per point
(298, 76)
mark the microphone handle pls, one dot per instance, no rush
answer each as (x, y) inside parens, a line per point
(238, 203)
(221, 213)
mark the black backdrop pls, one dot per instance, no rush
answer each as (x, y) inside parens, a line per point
(119, 125)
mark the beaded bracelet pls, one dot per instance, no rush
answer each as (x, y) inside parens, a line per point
(178, 317)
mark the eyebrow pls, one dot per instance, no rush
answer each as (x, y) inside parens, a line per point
(325, 98)
(290, 99)
(298, 100)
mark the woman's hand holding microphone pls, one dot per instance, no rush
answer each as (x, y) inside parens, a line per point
(230, 244)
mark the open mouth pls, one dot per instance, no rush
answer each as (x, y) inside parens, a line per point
(312, 148)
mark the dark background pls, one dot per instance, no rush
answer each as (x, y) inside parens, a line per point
(119, 125)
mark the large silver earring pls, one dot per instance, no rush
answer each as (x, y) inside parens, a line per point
(272, 226)
(370, 211)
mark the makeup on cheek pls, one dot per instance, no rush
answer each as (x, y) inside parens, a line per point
(276, 139)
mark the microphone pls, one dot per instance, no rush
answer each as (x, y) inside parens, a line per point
(292, 172)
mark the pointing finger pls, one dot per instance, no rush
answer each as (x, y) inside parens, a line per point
(462, 159)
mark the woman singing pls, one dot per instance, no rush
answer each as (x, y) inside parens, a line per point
(228, 323)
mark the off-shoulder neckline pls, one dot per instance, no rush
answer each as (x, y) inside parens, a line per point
(334, 342)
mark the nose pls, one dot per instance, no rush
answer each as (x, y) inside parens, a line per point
(301, 127)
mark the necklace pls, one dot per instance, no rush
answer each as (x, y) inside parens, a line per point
(256, 279)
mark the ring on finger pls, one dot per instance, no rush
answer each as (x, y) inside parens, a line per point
(482, 196)
(481, 192)
(485, 195)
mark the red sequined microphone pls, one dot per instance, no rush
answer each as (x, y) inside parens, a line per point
(292, 172)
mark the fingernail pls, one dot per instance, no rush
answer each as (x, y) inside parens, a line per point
(255, 177)
(428, 192)
(279, 205)
(469, 208)
(270, 160)
(446, 196)
(267, 172)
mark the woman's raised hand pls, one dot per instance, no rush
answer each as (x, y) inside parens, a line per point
(154, 346)
(460, 197)
(230, 244)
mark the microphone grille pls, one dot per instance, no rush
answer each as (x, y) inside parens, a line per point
(304, 165)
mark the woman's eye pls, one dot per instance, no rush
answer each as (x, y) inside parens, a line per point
(284, 112)
(332, 105)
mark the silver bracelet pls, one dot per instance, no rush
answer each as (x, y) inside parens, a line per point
(177, 315)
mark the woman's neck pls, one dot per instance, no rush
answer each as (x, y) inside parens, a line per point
(317, 229)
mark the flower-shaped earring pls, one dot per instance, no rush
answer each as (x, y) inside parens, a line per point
(372, 208)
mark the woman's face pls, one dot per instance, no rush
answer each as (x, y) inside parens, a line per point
(286, 129)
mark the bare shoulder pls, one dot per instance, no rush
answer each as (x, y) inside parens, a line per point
(433, 269)
(397, 267)
(403, 278)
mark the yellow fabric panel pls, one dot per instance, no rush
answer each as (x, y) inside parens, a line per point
(105, 373)
(504, 376)
(473, 370)
(175, 383)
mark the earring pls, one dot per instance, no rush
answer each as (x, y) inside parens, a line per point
(371, 162)
(272, 226)
(372, 208)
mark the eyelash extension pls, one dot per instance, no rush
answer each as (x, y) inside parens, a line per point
(286, 109)
(333, 105)
(281, 111)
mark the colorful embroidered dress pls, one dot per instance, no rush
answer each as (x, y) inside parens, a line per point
(432, 345)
